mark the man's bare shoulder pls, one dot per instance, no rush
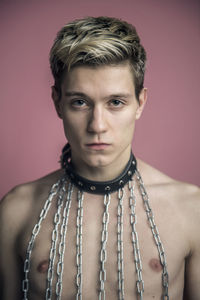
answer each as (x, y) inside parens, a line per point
(184, 195)
(154, 177)
(30, 189)
(17, 204)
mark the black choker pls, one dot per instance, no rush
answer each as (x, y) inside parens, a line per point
(97, 187)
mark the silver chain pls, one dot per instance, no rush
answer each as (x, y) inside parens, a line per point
(79, 234)
(54, 239)
(53, 192)
(103, 252)
(61, 249)
(120, 258)
(156, 236)
(136, 249)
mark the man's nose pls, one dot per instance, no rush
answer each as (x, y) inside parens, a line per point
(97, 120)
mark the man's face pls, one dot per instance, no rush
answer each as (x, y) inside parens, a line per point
(99, 108)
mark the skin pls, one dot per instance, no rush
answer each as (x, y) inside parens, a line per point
(95, 117)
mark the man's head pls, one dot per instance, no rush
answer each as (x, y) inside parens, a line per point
(96, 42)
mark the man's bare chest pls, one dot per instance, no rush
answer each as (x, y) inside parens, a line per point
(99, 257)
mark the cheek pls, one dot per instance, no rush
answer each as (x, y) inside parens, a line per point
(68, 127)
(72, 127)
(126, 121)
(126, 127)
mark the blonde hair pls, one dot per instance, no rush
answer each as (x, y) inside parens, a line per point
(94, 42)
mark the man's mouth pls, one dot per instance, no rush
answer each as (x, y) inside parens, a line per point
(98, 146)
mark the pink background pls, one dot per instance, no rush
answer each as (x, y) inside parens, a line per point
(167, 136)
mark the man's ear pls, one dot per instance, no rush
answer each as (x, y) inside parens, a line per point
(142, 102)
(56, 99)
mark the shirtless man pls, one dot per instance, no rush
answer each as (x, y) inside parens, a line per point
(100, 233)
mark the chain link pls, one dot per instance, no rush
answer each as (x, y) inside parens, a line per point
(136, 249)
(54, 239)
(54, 190)
(103, 252)
(154, 229)
(61, 249)
(120, 258)
(79, 234)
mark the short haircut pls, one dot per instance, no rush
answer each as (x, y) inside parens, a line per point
(95, 42)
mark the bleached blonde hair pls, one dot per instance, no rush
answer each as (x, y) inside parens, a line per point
(94, 42)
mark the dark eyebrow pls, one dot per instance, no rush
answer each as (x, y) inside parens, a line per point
(71, 94)
(120, 95)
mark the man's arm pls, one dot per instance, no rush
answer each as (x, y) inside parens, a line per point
(192, 277)
(10, 266)
(192, 266)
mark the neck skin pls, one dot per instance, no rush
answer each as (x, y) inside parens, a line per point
(107, 172)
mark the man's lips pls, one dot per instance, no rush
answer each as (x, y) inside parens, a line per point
(98, 146)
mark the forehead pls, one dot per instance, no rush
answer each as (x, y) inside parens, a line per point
(101, 79)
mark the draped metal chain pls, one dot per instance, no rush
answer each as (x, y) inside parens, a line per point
(27, 263)
(120, 258)
(136, 249)
(61, 249)
(103, 252)
(79, 234)
(156, 236)
(54, 239)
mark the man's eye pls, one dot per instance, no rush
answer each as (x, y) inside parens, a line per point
(116, 102)
(78, 102)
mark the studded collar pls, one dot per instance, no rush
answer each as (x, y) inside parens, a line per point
(97, 187)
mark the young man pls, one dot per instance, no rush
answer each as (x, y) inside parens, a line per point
(92, 230)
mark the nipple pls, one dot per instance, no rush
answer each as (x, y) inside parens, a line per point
(155, 265)
(43, 266)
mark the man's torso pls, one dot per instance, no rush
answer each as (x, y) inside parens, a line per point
(169, 206)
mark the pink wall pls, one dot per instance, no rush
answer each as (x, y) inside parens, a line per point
(31, 136)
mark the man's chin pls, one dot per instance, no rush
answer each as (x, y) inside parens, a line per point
(93, 159)
(97, 162)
